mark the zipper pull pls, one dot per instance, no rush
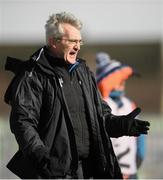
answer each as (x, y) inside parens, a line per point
(80, 82)
(30, 74)
(61, 82)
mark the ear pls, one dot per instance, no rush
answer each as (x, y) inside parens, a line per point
(52, 42)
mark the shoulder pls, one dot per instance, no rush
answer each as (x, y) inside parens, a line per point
(84, 68)
(25, 78)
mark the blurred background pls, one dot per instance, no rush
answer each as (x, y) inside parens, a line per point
(131, 31)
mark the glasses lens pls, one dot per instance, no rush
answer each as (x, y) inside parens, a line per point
(81, 43)
(71, 41)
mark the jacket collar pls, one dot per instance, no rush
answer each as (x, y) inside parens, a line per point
(50, 64)
(44, 60)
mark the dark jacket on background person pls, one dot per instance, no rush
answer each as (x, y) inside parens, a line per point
(41, 122)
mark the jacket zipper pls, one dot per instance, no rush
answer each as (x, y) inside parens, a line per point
(74, 165)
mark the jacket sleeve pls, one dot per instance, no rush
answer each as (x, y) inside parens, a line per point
(26, 101)
(113, 125)
(106, 110)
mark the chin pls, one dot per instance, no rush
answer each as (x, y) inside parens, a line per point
(71, 61)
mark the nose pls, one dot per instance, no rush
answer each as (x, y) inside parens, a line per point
(77, 46)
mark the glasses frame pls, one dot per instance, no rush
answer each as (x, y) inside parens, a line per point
(71, 41)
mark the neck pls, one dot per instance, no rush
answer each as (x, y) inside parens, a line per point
(52, 52)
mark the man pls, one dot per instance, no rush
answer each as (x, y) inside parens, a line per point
(112, 76)
(58, 116)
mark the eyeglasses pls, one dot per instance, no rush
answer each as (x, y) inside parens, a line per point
(72, 41)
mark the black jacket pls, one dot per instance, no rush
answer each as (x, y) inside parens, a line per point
(41, 122)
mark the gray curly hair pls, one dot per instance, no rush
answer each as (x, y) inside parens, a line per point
(53, 26)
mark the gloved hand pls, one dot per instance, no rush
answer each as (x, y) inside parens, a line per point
(132, 126)
(126, 125)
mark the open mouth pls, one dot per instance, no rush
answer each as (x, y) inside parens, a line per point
(72, 54)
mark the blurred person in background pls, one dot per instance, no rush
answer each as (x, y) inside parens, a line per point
(111, 78)
(61, 123)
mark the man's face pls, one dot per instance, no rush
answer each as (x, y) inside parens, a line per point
(69, 45)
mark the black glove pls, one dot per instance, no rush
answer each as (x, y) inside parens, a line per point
(127, 125)
(132, 126)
